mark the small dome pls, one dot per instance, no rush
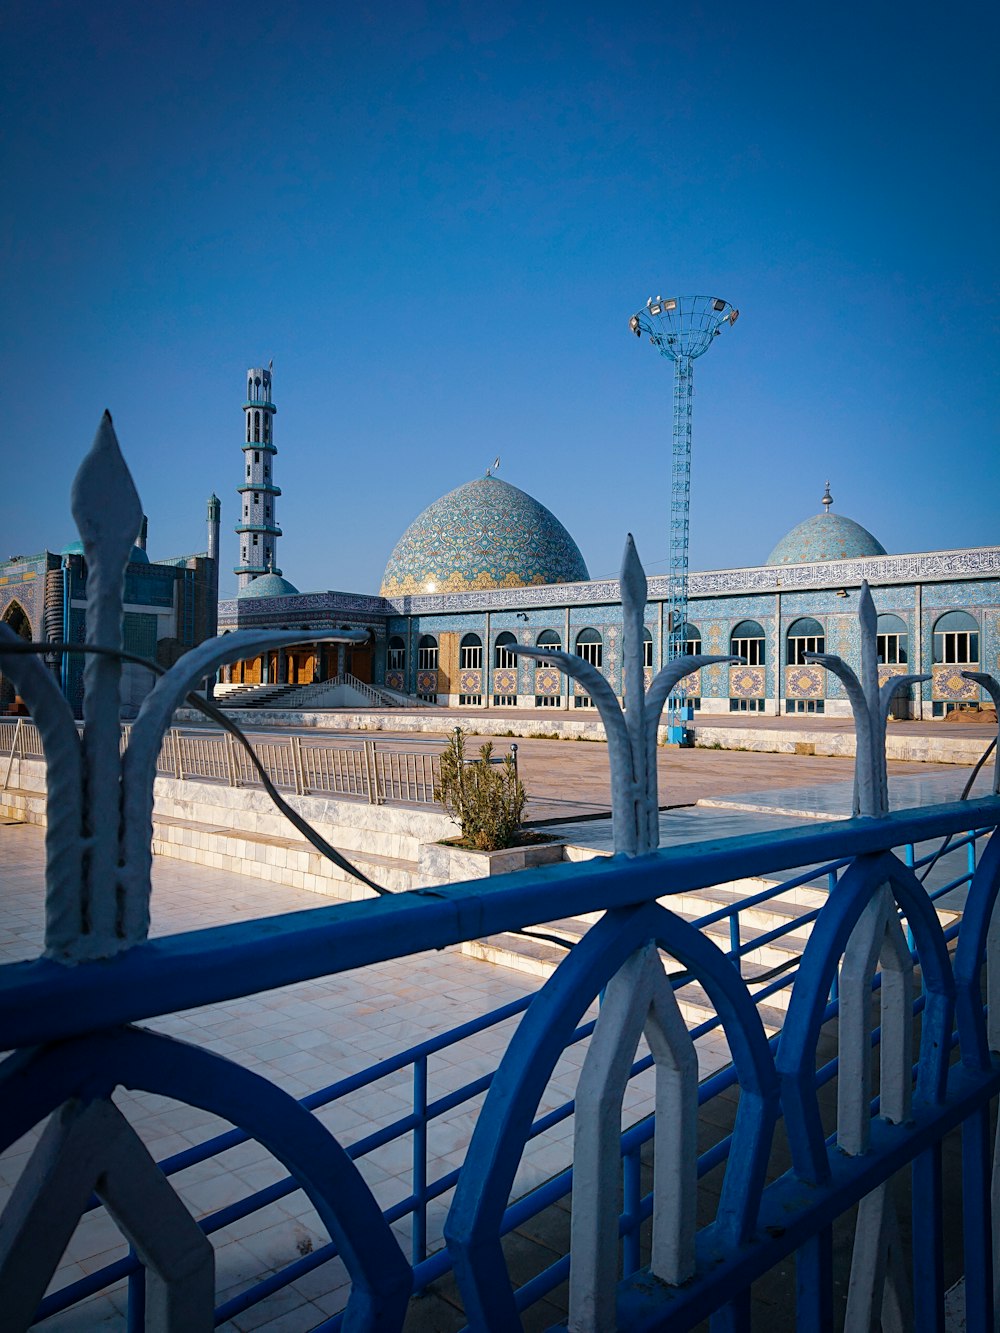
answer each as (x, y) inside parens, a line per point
(825, 536)
(137, 557)
(269, 585)
(485, 534)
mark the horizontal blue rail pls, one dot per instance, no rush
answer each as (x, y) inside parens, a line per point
(636, 1209)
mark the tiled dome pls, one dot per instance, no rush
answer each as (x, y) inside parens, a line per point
(268, 585)
(485, 534)
(825, 536)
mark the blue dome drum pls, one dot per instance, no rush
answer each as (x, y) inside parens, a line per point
(825, 536)
(485, 534)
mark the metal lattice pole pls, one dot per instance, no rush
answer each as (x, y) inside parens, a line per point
(681, 328)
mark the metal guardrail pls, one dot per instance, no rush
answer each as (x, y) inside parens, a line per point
(367, 771)
(679, 871)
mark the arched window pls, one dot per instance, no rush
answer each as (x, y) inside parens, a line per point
(502, 656)
(249, 390)
(248, 428)
(427, 653)
(256, 428)
(805, 636)
(747, 640)
(690, 638)
(549, 638)
(892, 640)
(647, 648)
(470, 653)
(956, 639)
(590, 647)
(396, 659)
(267, 425)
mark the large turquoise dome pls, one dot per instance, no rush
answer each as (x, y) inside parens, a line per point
(486, 534)
(825, 536)
(268, 585)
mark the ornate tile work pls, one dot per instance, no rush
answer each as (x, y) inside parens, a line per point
(548, 681)
(690, 686)
(486, 534)
(804, 682)
(948, 684)
(887, 672)
(470, 682)
(826, 536)
(427, 682)
(395, 680)
(746, 682)
(505, 680)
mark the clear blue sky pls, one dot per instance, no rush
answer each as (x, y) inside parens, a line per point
(437, 219)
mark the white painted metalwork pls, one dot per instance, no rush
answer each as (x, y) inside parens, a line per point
(638, 1001)
(878, 1286)
(631, 734)
(88, 1150)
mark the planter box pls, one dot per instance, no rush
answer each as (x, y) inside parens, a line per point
(441, 864)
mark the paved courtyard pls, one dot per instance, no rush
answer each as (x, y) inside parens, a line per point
(308, 1036)
(302, 1037)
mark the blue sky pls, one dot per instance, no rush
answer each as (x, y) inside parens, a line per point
(437, 219)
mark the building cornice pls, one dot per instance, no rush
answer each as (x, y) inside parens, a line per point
(919, 567)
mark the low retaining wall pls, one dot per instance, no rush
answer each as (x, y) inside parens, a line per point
(239, 829)
(916, 748)
(938, 747)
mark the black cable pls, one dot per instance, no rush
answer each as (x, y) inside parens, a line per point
(215, 715)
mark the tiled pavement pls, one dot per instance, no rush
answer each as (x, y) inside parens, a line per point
(302, 1037)
(306, 1036)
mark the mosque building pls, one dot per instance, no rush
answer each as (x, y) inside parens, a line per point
(487, 566)
(170, 605)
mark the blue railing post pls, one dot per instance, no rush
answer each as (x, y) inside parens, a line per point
(908, 856)
(734, 940)
(419, 1244)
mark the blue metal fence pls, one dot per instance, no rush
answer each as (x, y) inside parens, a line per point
(68, 1024)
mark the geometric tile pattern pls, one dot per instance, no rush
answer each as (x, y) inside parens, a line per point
(395, 680)
(485, 534)
(427, 682)
(505, 680)
(470, 682)
(746, 682)
(825, 537)
(887, 672)
(948, 683)
(548, 681)
(804, 682)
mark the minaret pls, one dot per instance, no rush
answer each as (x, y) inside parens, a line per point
(258, 528)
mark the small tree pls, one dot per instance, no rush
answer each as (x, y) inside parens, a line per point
(485, 797)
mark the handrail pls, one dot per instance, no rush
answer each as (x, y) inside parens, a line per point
(367, 770)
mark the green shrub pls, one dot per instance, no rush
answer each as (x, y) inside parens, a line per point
(486, 798)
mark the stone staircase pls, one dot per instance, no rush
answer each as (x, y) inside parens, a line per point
(759, 966)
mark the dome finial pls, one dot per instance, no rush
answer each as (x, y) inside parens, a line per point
(827, 498)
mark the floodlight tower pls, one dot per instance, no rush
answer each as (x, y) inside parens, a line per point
(682, 328)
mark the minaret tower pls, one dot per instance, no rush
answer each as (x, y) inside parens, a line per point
(258, 527)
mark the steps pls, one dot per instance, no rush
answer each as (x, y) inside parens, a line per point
(758, 965)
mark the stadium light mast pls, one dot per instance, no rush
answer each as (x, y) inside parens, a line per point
(682, 328)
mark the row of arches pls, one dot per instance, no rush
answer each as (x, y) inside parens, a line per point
(258, 432)
(955, 639)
